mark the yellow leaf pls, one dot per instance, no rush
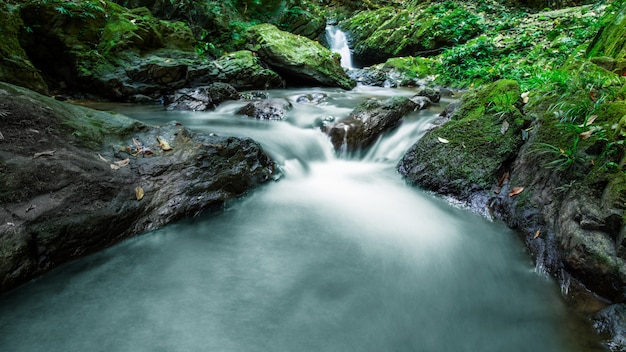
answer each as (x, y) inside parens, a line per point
(139, 193)
(537, 234)
(163, 143)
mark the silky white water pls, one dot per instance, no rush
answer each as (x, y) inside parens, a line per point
(338, 42)
(337, 255)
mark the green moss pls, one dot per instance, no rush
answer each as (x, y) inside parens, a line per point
(15, 67)
(611, 41)
(468, 151)
(411, 67)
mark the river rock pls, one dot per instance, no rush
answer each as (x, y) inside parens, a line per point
(297, 59)
(76, 180)
(202, 98)
(270, 109)
(367, 122)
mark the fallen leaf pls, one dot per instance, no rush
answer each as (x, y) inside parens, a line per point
(586, 134)
(163, 143)
(45, 153)
(590, 120)
(122, 163)
(442, 140)
(537, 234)
(515, 191)
(139, 193)
(503, 179)
(102, 158)
(136, 142)
(114, 167)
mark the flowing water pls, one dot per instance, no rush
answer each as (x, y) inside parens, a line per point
(338, 255)
(339, 44)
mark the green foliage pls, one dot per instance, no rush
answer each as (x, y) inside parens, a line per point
(583, 130)
(470, 63)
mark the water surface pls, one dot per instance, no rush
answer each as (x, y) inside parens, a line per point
(338, 255)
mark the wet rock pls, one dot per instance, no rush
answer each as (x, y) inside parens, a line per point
(421, 102)
(202, 98)
(71, 178)
(433, 94)
(271, 109)
(367, 122)
(368, 76)
(612, 321)
(297, 59)
(313, 98)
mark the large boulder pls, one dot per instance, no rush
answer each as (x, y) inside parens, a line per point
(419, 30)
(75, 180)
(297, 59)
(367, 122)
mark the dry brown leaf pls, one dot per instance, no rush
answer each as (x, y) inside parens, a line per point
(537, 234)
(586, 134)
(163, 143)
(139, 193)
(515, 191)
(45, 153)
(443, 140)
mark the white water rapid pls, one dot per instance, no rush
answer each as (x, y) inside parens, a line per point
(338, 255)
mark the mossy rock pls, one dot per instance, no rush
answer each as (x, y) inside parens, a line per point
(298, 21)
(15, 66)
(241, 69)
(611, 40)
(299, 60)
(424, 29)
(137, 29)
(465, 154)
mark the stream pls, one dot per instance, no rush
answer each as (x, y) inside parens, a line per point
(340, 254)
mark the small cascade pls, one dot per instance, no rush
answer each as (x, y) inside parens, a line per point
(338, 43)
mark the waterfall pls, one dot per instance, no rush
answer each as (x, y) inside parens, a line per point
(338, 43)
